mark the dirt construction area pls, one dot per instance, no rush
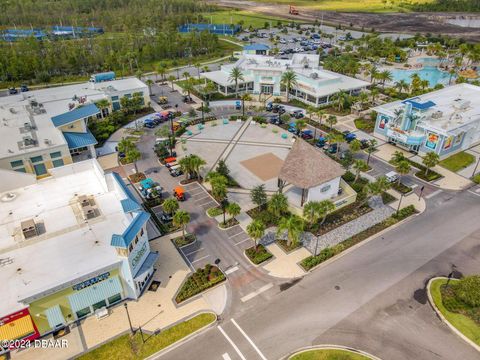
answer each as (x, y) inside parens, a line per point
(410, 23)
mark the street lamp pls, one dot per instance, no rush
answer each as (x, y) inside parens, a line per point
(399, 202)
(128, 316)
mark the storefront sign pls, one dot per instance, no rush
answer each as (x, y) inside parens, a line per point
(139, 255)
(91, 281)
(397, 136)
(432, 140)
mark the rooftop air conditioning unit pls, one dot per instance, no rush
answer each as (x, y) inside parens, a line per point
(437, 114)
(314, 75)
(29, 141)
(29, 229)
(48, 142)
(88, 212)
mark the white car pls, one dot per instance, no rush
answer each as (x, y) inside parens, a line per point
(392, 176)
(282, 41)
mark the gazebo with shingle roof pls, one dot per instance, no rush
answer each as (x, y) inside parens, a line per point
(310, 169)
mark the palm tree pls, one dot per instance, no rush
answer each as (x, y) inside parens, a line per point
(236, 75)
(219, 185)
(401, 85)
(233, 209)
(430, 160)
(102, 104)
(373, 73)
(256, 230)
(375, 188)
(300, 124)
(331, 120)
(161, 70)
(170, 205)
(186, 75)
(342, 99)
(181, 218)
(289, 79)
(293, 225)
(149, 83)
(245, 97)
(355, 146)
(188, 87)
(322, 209)
(385, 76)
(172, 79)
(278, 204)
(371, 149)
(359, 165)
(197, 163)
(198, 66)
(374, 92)
(403, 168)
(397, 156)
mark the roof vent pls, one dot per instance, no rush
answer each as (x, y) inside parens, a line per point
(29, 229)
(48, 142)
(314, 75)
(28, 141)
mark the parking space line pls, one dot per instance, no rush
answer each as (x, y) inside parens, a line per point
(200, 259)
(202, 198)
(474, 192)
(231, 270)
(237, 350)
(226, 357)
(231, 236)
(249, 340)
(242, 241)
(256, 292)
(193, 252)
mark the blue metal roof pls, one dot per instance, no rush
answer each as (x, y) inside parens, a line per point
(256, 47)
(124, 187)
(420, 106)
(75, 114)
(147, 264)
(95, 293)
(124, 240)
(77, 139)
(129, 205)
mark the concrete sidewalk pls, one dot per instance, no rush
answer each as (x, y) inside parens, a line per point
(285, 265)
(154, 310)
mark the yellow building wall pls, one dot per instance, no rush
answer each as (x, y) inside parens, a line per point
(37, 308)
(76, 126)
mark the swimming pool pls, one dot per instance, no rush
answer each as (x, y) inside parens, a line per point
(430, 73)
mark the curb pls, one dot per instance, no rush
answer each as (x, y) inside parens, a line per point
(354, 247)
(330, 347)
(443, 319)
(186, 338)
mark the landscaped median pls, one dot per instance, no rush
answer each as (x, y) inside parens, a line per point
(458, 304)
(133, 347)
(200, 280)
(258, 254)
(331, 353)
(327, 253)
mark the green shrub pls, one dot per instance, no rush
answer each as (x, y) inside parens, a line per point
(348, 177)
(404, 213)
(468, 290)
(258, 255)
(476, 179)
(214, 211)
(199, 281)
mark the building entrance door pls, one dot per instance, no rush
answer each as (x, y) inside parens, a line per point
(266, 89)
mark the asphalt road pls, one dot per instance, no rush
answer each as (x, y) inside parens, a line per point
(372, 298)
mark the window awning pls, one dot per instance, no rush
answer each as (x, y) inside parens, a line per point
(146, 266)
(55, 317)
(77, 140)
(95, 293)
(17, 329)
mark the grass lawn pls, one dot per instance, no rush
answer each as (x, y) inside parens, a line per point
(180, 241)
(328, 354)
(458, 161)
(464, 324)
(366, 125)
(248, 18)
(258, 255)
(347, 5)
(126, 347)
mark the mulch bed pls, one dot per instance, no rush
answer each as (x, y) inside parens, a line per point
(284, 245)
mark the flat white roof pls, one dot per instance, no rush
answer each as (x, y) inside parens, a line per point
(311, 78)
(16, 110)
(69, 247)
(455, 106)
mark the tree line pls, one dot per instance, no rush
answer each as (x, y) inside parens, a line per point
(448, 5)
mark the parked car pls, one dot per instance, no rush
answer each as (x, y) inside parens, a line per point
(149, 123)
(332, 148)
(282, 41)
(321, 142)
(275, 120)
(269, 107)
(307, 134)
(364, 143)
(179, 193)
(391, 176)
(176, 172)
(238, 105)
(165, 217)
(24, 88)
(297, 114)
(349, 136)
(12, 91)
(292, 127)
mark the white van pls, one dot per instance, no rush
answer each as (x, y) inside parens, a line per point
(392, 176)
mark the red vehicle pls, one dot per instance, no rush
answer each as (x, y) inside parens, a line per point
(170, 159)
(293, 11)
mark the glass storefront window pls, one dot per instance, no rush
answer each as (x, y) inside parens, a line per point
(16, 163)
(99, 305)
(114, 299)
(82, 313)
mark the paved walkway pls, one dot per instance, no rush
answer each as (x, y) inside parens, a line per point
(411, 199)
(285, 265)
(154, 310)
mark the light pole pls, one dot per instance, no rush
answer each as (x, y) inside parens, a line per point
(399, 202)
(128, 316)
(476, 166)
(421, 192)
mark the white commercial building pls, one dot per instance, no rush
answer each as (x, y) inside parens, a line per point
(71, 245)
(445, 121)
(45, 129)
(263, 75)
